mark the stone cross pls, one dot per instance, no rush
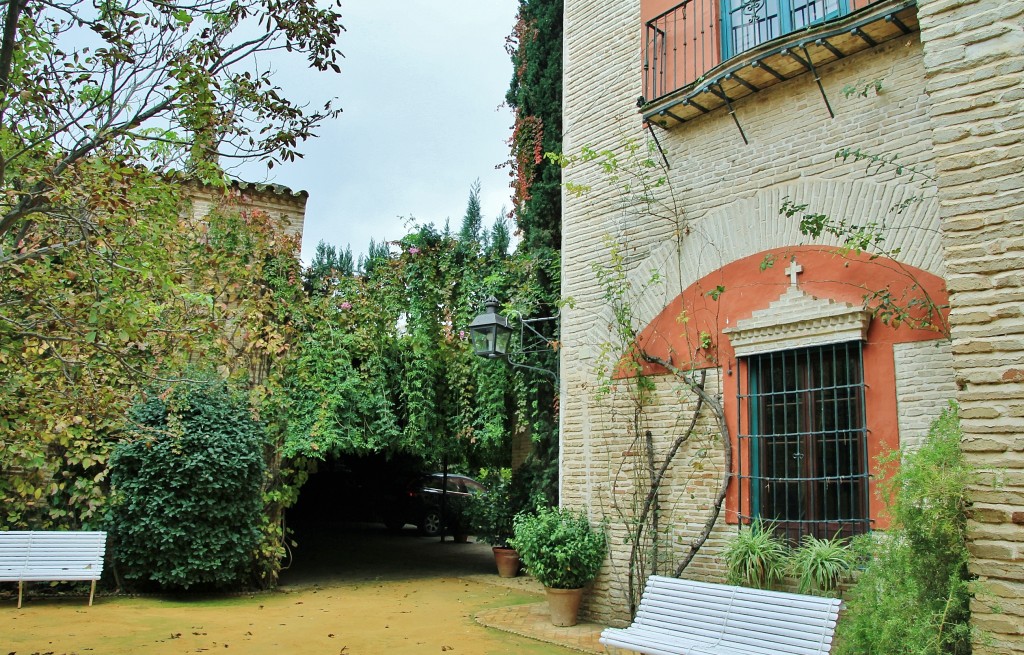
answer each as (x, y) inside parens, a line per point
(793, 270)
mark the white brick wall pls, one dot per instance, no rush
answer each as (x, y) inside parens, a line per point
(974, 55)
(722, 205)
(924, 386)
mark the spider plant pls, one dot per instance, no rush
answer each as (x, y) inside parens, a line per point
(755, 557)
(820, 564)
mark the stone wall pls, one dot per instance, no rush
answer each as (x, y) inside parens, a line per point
(974, 61)
(924, 386)
(721, 203)
(277, 201)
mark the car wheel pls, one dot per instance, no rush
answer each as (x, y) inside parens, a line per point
(430, 524)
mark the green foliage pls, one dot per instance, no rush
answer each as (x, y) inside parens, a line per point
(491, 512)
(862, 88)
(328, 265)
(755, 557)
(472, 222)
(535, 94)
(187, 484)
(383, 362)
(535, 482)
(107, 276)
(559, 547)
(914, 596)
(340, 381)
(501, 238)
(821, 564)
(914, 306)
(876, 163)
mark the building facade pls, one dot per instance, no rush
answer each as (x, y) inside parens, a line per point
(774, 238)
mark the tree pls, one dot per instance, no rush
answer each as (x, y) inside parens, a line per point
(100, 102)
(501, 237)
(535, 94)
(472, 222)
(111, 116)
(914, 595)
(322, 270)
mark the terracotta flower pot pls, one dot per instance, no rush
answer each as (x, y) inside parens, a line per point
(507, 560)
(564, 605)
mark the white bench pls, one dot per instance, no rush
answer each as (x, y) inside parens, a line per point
(682, 617)
(27, 556)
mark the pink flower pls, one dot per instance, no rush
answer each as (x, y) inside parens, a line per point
(462, 335)
(414, 250)
(346, 305)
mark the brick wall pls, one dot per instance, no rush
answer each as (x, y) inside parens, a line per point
(924, 386)
(721, 204)
(974, 59)
(277, 201)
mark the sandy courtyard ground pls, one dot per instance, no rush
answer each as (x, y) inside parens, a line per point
(351, 591)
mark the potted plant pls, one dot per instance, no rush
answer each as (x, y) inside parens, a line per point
(490, 513)
(563, 552)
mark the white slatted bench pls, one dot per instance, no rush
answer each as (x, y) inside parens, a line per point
(682, 617)
(33, 556)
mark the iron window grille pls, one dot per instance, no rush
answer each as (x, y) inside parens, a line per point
(749, 23)
(803, 465)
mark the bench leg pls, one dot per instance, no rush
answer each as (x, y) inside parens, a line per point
(21, 586)
(92, 592)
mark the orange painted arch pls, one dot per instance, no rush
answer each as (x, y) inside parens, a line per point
(688, 332)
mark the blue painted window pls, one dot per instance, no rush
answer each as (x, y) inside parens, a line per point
(749, 23)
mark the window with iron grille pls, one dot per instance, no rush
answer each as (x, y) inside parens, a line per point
(749, 23)
(803, 460)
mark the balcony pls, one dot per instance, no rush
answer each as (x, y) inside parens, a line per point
(704, 54)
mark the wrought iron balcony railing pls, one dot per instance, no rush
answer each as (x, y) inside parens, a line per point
(695, 36)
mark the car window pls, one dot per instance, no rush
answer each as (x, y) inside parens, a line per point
(430, 482)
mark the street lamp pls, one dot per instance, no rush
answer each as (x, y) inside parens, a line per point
(491, 334)
(490, 331)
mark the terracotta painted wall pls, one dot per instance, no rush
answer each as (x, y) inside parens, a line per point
(745, 288)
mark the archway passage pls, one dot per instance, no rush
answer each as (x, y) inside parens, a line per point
(339, 527)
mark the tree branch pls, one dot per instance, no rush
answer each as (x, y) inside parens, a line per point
(719, 413)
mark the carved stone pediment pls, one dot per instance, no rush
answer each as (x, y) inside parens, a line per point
(798, 320)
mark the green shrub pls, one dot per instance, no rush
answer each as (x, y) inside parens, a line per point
(755, 557)
(559, 547)
(186, 499)
(490, 512)
(913, 597)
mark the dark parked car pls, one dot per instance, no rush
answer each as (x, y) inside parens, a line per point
(420, 503)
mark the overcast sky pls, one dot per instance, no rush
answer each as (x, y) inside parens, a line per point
(422, 88)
